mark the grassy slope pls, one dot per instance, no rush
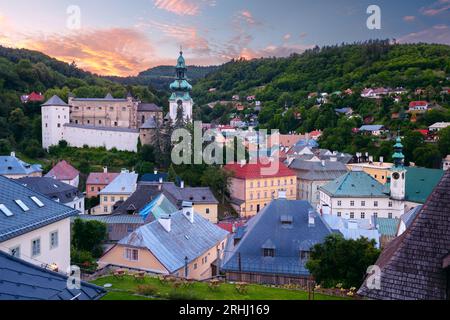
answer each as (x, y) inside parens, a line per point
(126, 288)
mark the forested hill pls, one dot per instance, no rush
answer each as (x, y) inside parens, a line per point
(160, 77)
(327, 69)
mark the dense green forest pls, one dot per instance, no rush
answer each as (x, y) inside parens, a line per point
(160, 77)
(283, 86)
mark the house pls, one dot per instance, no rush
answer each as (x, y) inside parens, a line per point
(97, 181)
(353, 228)
(274, 246)
(65, 173)
(438, 126)
(56, 190)
(125, 220)
(312, 174)
(236, 97)
(22, 280)
(237, 123)
(348, 92)
(387, 229)
(255, 185)
(357, 195)
(416, 265)
(446, 163)
(315, 135)
(33, 227)
(120, 189)
(203, 200)
(380, 170)
(376, 93)
(14, 168)
(32, 97)
(344, 111)
(182, 244)
(419, 106)
(251, 98)
(369, 119)
(375, 130)
(240, 107)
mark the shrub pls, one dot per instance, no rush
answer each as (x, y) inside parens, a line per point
(147, 290)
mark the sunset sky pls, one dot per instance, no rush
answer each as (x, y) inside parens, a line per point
(126, 37)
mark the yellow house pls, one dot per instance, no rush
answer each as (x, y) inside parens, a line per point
(381, 171)
(184, 245)
(254, 186)
(120, 189)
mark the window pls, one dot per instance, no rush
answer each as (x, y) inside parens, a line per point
(352, 215)
(105, 199)
(22, 205)
(339, 203)
(352, 203)
(195, 266)
(113, 199)
(129, 229)
(92, 189)
(5, 210)
(363, 203)
(37, 201)
(339, 214)
(54, 240)
(131, 254)
(15, 252)
(251, 185)
(375, 203)
(105, 209)
(363, 215)
(304, 255)
(390, 215)
(59, 125)
(390, 204)
(207, 211)
(35, 247)
(375, 215)
(269, 252)
(99, 121)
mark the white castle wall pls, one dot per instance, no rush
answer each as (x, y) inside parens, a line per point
(122, 140)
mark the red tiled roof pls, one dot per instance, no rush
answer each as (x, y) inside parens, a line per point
(413, 104)
(231, 226)
(423, 131)
(258, 170)
(315, 133)
(63, 171)
(101, 178)
(35, 97)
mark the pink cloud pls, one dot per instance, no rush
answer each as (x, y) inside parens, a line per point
(436, 34)
(286, 37)
(409, 18)
(179, 7)
(273, 51)
(436, 8)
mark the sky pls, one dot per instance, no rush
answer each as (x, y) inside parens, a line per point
(112, 37)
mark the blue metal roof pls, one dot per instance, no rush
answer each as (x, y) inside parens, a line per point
(152, 177)
(185, 239)
(374, 127)
(10, 165)
(266, 228)
(20, 280)
(25, 221)
(160, 206)
(125, 183)
(355, 184)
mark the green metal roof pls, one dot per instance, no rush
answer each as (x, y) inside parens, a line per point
(355, 184)
(386, 226)
(420, 182)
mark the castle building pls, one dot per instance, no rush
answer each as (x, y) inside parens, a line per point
(111, 122)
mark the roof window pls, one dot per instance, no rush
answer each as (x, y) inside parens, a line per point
(22, 205)
(5, 210)
(37, 201)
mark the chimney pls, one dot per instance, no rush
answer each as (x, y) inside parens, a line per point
(182, 184)
(323, 163)
(13, 154)
(282, 194)
(125, 171)
(188, 211)
(155, 172)
(105, 169)
(381, 160)
(311, 218)
(166, 222)
(371, 159)
(243, 162)
(160, 180)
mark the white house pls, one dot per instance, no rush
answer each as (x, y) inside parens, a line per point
(65, 173)
(33, 227)
(438, 126)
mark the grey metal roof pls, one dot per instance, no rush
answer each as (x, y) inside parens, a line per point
(10, 165)
(116, 129)
(52, 188)
(55, 101)
(143, 195)
(185, 239)
(287, 240)
(149, 124)
(190, 194)
(125, 183)
(409, 216)
(148, 107)
(20, 280)
(318, 170)
(22, 222)
(113, 218)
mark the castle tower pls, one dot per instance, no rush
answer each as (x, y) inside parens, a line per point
(180, 88)
(55, 114)
(398, 173)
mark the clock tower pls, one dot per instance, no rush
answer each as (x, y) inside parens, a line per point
(398, 173)
(180, 101)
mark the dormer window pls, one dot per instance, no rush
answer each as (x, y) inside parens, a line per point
(286, 221)
(304, 255)
(269, 252)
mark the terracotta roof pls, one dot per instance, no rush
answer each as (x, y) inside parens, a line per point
(412, 264)
(259, 170)
(63, 171)
(417, 103)
(101, 178)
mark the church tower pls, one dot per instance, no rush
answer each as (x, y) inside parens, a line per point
(180, 88)
(398, 175)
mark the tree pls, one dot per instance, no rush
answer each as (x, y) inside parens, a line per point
(428, 156)
(172, 176)
(89, 236)
(218, 180)
(147, 153)
(338, 260)
(5, 147)
(411, 141)
(444, 141)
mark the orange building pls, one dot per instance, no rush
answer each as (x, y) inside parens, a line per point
(254, 186)
(97, 181)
